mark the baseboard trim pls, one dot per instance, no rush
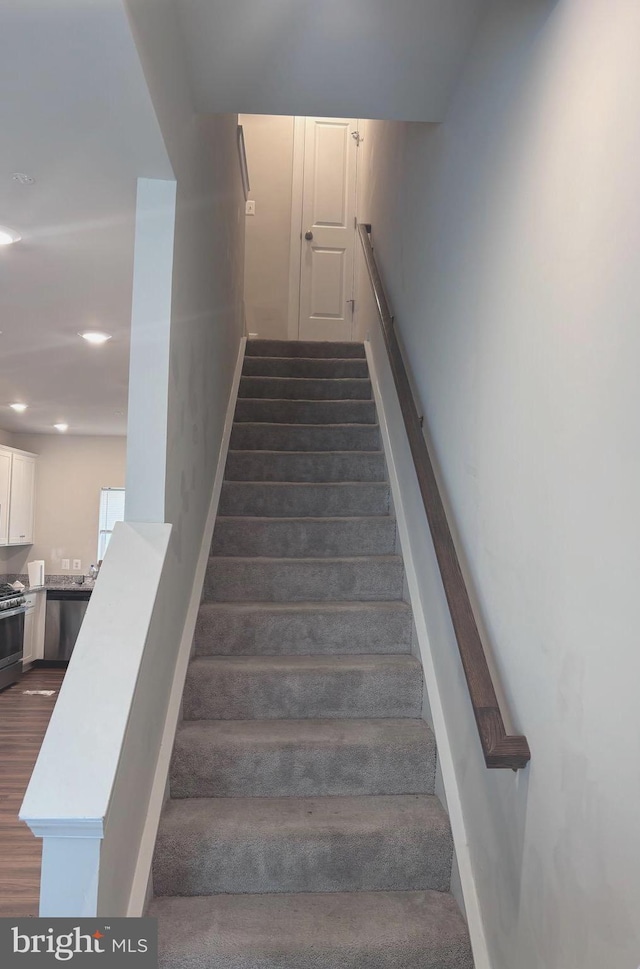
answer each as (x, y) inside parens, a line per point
(141, 886)
(465, 872)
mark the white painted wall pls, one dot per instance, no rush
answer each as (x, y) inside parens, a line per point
(6, 437)
(508, 239)
(150, 347)
(269, 143)
(70, 472)
(339, 58)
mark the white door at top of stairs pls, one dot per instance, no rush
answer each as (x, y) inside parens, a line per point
(328, 229)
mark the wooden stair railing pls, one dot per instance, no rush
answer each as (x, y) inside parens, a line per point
(500, 749)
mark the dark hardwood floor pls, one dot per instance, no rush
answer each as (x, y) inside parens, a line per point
(23, 722)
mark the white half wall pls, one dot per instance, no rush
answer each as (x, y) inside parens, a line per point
(89, 790)
(508, 240)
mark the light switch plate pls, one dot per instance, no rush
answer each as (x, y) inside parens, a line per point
(64, 565)
(250, 207)
(77, 565)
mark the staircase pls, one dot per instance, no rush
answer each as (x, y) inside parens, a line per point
(302, 830)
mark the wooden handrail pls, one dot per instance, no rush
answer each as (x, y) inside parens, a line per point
(500, 749)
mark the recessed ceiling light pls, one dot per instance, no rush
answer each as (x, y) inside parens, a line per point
(8, 236)
(20, 408)
(95, 337)
(23, 178)
(61, 427)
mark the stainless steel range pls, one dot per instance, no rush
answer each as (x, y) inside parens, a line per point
(12, 610)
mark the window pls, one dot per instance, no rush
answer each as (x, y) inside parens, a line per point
(111, 511)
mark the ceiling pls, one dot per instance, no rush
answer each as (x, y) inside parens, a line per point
(394, 59)
(76, 115)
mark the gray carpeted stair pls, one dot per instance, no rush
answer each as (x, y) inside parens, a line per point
(304, 348)
(261, 411)
(304, 498)
(347, 930)
(336, 368)
(302, 830)
(292, 580)
(277, 687)
(302, 628)
(305, 437)
(304, 537)
(305, 388)
(306, 466)
(314, 844)
(302, 758)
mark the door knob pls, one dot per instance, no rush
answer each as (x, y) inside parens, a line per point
(308, 235)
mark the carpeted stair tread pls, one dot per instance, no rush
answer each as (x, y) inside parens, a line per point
(302, 758)
(327, 844)
(312, 466)
(305, 388)
(303, 628)
(304, 537)
(230, 579)
(259, 410)
(341, 368)
(275, 436)
(301, 687)
(347, 930)
(304, 498)
(303, 348)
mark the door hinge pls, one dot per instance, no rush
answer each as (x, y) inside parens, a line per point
(357, 137)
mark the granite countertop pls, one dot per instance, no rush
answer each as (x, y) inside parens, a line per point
(55, 583)
(58, 582)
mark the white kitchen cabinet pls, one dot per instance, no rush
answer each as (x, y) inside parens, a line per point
(5, 491)
(22, 501)
(34, 619)
(17, 496)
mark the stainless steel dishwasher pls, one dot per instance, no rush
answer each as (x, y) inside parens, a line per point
(64, 615)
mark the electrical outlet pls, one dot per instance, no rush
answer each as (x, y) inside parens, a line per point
(64, 565)
(250, 207)
(77, 565)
